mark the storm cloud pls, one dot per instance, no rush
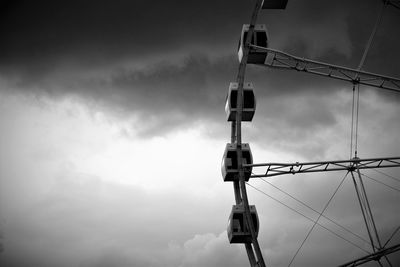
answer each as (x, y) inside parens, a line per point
(175, 60)
(113, 127)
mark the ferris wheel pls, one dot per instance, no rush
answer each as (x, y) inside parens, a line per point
(237, 163)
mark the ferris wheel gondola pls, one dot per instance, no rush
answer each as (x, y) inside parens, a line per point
(249, 102)
(230, 166)
(238, 231)
(259, 38)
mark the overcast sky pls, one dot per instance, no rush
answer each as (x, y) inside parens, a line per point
(112, 130)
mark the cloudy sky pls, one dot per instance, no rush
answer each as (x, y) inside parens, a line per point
(112, 129)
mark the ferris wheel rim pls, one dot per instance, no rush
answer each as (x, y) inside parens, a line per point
(253, 249)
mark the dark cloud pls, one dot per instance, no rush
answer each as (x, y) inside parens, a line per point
(87, 48)
(168, 95)
(35, 35)
(103, 31)
(163, 96)
(171, 65)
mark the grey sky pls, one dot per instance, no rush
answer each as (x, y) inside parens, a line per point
(113, 127)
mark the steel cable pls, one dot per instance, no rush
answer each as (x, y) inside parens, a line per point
(308, 218)
(312, 228)
(382, 183)
(308, 206)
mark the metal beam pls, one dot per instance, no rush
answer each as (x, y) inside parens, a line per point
(281, 60)
(366, 211)
(372, 257)
(274, 169)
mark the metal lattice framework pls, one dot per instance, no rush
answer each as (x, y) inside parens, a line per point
(280, 60)
(274, 169)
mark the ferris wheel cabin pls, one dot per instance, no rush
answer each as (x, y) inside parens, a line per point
(260, 38)
(238, 231)
(249, 102)
(229, 166)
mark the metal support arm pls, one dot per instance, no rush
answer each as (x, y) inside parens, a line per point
(274, 169)
(281, 60)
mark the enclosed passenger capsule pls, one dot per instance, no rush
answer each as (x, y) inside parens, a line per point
(229, 166)
(238, 231)
(249, 102)
(260, 38)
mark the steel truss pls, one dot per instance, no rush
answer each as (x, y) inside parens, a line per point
(274, 169)
(281, 60)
